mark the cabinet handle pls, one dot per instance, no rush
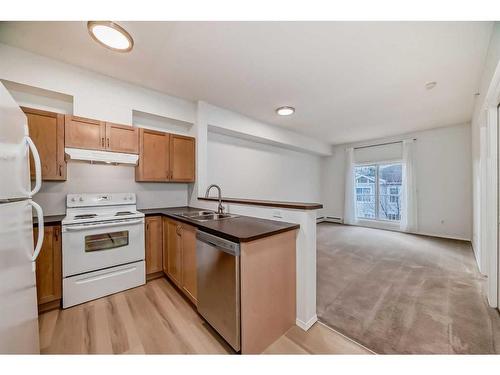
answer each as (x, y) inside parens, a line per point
(102, 142)
(56, 234)
(108, 142)
(60, 170)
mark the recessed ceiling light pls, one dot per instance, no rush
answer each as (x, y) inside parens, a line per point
(430, 85)
(110, 35)
(285, 111)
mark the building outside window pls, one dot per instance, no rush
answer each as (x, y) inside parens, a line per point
(378, 191)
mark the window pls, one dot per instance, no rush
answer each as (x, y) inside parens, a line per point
(106, 241)
(378, 191)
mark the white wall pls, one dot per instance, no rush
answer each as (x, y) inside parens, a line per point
(478, 121)
(94, 95)
(246, 169)
(444, 173)
(254, 151)
(233, 123)
(52, 85)
(101, 178)
(97, 96)
(485, 169)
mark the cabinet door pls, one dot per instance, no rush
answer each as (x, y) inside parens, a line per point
(165, 244)
(84, 133)
(189, 281)
(122, 138)
(174, 255)
(46, 129)
(48, 266)
(154, 245)
(153, 156)
(182, 158)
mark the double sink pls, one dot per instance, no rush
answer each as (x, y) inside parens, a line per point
(204, 216)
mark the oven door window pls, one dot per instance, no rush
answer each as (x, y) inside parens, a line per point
(106, 241)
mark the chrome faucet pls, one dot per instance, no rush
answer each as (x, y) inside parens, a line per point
(220, 209)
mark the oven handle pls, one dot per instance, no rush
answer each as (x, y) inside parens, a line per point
(83, 227)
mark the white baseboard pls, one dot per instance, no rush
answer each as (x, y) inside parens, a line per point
(443, 236)
(327, 219)
(305, 326)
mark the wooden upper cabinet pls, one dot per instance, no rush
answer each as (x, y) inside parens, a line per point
(46, 129)
(49, 266)
(84, 133)
(182, 158)
(122, 138)
(154, 156)
(154, 245)
(165, 157)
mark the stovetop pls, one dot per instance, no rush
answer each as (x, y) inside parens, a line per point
(92, 208)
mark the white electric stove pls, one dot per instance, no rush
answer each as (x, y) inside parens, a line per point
(102, 246)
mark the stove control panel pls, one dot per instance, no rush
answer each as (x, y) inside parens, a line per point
(99, 199)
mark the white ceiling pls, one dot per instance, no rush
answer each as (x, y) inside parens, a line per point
(349, 81)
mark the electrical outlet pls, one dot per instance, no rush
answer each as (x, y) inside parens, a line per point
(277, 214)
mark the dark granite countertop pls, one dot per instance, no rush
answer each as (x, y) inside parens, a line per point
(50, 219)
(266, 203)
(237, 229)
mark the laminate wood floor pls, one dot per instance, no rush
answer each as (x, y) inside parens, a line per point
(156, 319)
(151, 319)
(319, 339)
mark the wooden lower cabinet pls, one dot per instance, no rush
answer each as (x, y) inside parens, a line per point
(49, 269)
(188, 247)
(172, 251)
(268, 290)
(179, 256)
(154, 246)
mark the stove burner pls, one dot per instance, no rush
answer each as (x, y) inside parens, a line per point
(85, 216)
(123, 213)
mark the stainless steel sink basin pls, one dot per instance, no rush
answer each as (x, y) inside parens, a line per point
(205, 215)
(196, 213)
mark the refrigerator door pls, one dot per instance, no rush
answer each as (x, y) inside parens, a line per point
(18, 309)
(14, 151)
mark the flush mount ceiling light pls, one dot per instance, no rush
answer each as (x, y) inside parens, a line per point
(285, 111)
(110, 35)
(430, 85)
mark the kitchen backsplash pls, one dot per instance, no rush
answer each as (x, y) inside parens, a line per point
(102, 178)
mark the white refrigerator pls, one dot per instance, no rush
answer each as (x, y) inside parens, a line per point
(18, 302)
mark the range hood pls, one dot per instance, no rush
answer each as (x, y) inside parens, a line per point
(94, 156)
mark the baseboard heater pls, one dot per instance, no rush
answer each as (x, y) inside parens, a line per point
(329, 219)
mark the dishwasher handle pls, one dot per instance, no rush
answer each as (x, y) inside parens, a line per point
(232, 248)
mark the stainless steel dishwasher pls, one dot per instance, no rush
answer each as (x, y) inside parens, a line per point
(219, 285)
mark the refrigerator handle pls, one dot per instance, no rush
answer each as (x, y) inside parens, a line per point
(38, 166)
(39, 242)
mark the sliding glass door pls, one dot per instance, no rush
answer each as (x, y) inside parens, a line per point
(378, 191)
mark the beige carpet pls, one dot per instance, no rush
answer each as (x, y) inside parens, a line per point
(402, 293)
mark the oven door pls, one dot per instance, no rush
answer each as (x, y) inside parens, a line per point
(90, 247)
